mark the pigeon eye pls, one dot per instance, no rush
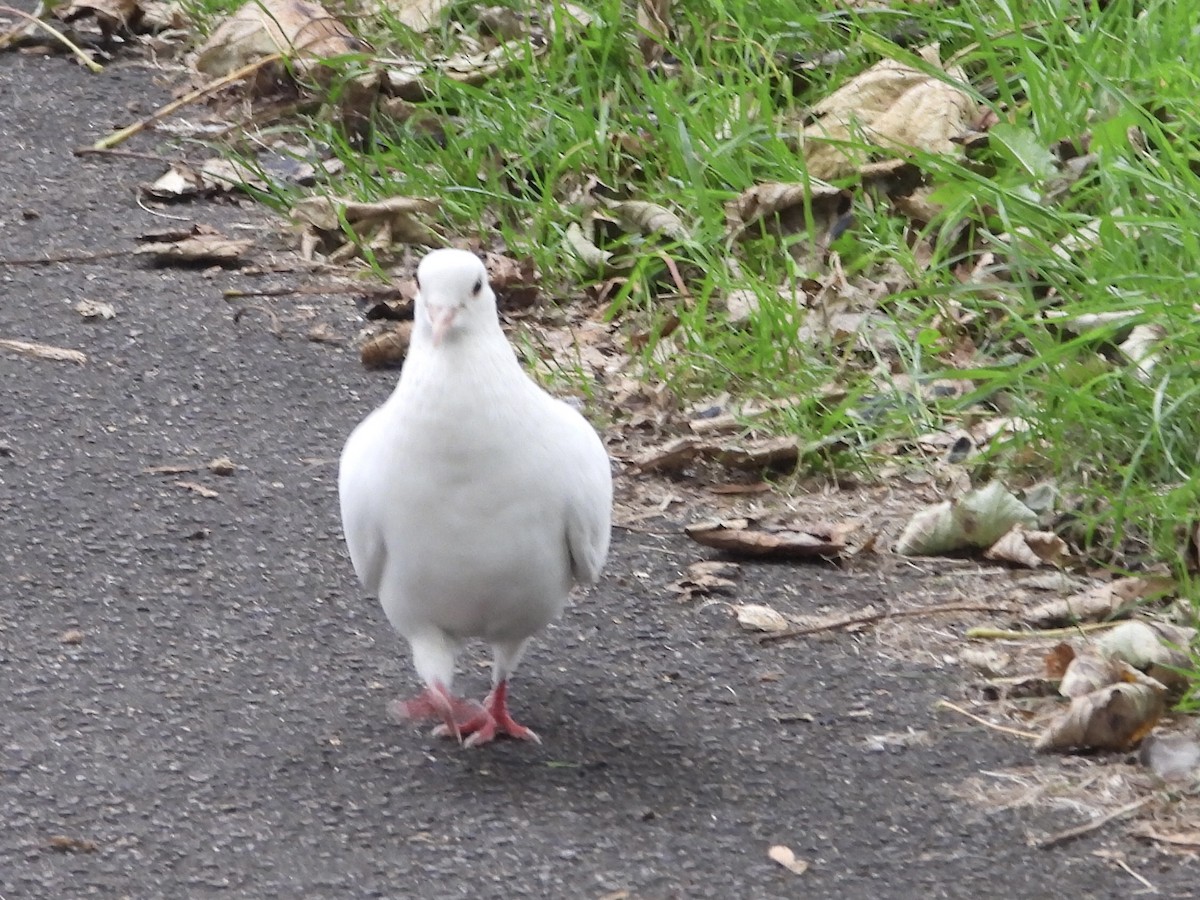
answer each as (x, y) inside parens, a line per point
(477, 287)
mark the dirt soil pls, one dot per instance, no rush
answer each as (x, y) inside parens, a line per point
(192, 684)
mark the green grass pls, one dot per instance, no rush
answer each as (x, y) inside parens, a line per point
(1124, 448)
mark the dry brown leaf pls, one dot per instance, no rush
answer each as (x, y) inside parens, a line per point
(1028, 548)
(110, 14)
(891, 106)
(1159, 649)
(649, 218)
(1113, 718)
(302, 30)
(706, 578)
(977, 519)
(1104, 601)
(221, 465)
(515, 283)
(417, 15)
(758, 617)
(379, 224)
(1057, 659)
(739, 537)
(71, 636)
(786, 858)
(679, 453)
(43, 351)
(197, 247)
(583, 248)
(654, 28)
(64, 844)
(95, 309)
(774, 198)
(387, 350)
(1089, 671)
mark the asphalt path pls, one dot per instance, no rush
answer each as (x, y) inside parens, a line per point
(193, 688)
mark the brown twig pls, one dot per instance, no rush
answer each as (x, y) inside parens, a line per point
(141, 125)
(123, 154)
(7, 38)
(237, 293)
(1061, 837)
(875, 617)
(1000, 634)
(1004, 729)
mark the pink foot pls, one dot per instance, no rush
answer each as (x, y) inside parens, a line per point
(459, 716)
(496, 721)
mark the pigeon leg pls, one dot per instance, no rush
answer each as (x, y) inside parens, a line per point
(459, 716)
(498, 721)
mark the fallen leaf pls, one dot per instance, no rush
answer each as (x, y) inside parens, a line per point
(736, 536)
(584, 249)
(706, 578)
(891, 108)
(1057, 659)
(378, 225)
(71, 636)
(1028, 548)
(1104, 601)
(416, 15)
(976, 519)
(758, 617)
(679, 453)
(387, 350)
(1113, 718)
(197, 245)
(649, 219)
(43, 351)
(1159, 649)
(786, 858)
(95, 309)
(221, 465)
(1089, 672)
(654, 29)
(64, 844)
(302, 30)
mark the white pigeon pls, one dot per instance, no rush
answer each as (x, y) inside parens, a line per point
(471, 500)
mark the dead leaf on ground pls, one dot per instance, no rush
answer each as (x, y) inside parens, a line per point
(95, 309)
(1089, 671)
(739, 537)
(654, 29)
(1112, 718)
(1028, 548)
(64, 844)
(387, 350)
(516, 283)
(416, 15)
(585, 249)
(1104, 601)
(221, 465)
(647, 218)
(302, 30)
(214, 176)
(706, 578)
(43, 351)
(786, 858)
(379, 224)
(1159, 649)
(758, 617)
(754, 454)
(788, 201)
(71, 636)
(893, 108)
(200, 245)
(975, 520)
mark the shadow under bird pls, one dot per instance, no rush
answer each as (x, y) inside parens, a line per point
(471, 500)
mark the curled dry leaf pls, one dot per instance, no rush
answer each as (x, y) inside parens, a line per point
(1104, 601)
(1090, 671)
(772, 198)
(516, 283)
(679, 453)
(1028, 548)
(757, 617)
(1159, 649)
(378, 224)
(891, 106)
(706, 578)
(43, 351)
(1112, 718)
(584, 249)
(738, 537)
(200, 489)
(200, 246)
(976, 519)
(649, 218)
(387, 350)
(95, 309)
(416, 15)
(1141, 348)
(1057, 659)
(302, 30)
(786, 858)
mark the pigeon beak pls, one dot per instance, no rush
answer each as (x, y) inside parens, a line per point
(441, 318)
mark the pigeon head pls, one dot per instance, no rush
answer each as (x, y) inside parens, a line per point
(453, 295)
